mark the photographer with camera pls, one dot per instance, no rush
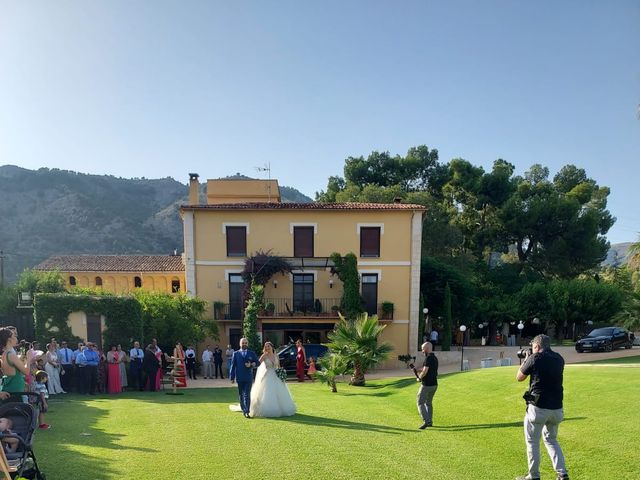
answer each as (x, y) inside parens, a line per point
(544, 405)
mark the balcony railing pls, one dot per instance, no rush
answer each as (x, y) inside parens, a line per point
(228, 312)
(286, 307)
(319, 307)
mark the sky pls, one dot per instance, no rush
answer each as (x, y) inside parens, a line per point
(158, 88)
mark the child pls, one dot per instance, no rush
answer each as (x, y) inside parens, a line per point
(10, 444)
(40, 386)
(311, 371)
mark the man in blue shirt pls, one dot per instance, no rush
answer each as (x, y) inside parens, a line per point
(65, 357)
(91, 368)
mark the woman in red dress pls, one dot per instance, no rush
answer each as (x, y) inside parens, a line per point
(301, 359)
(113, 372)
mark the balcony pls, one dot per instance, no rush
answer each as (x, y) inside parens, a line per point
(289, 307)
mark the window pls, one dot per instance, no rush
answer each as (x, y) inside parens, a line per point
(303, 292)
(236, 241)
(370, 292)
(175, 286)
(72, 281)
(98, 282)
(303, 241)
(137, 282)
(370, 242)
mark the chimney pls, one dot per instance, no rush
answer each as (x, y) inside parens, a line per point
(194, 189)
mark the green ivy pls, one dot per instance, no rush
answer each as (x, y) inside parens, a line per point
(250, 322)
(351, 303)
(123, 317)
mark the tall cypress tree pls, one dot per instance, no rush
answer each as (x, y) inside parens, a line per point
(448, 321)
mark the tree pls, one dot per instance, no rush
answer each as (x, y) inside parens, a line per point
(255, 303)
(448, 321)
(556, 232)
(634, 255)
(358, 341)
(174, 317)
(332, 366)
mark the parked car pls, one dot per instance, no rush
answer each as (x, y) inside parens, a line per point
(606, 339)
(287, 355)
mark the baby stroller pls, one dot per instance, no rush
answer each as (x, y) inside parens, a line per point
(22, 462)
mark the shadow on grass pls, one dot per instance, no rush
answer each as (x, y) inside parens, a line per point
(482, 426)
(74, 419)
(337, 423)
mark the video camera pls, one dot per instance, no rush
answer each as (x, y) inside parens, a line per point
(523, 352)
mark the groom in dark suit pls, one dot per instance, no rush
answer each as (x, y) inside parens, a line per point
(242, 364)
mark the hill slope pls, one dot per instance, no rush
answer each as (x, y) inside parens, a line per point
(54, 212)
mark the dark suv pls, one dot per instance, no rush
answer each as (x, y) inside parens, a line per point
(287, 355)
(606, 339)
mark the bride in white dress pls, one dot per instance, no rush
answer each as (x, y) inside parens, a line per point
(270, 396)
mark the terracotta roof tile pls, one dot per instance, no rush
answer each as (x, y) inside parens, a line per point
(113, 263)
(305, 206)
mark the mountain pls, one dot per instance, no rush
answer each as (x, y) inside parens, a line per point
(55, 212)
(617, 254)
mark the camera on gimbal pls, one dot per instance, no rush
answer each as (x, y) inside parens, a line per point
(523, 352)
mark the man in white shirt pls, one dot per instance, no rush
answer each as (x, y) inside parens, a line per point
(136, 354)
(190, 359)
(207, 362)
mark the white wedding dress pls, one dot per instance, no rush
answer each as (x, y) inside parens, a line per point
(270, 396)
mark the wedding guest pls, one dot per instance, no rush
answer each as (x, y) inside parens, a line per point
(13, 366)
(92, 360)
(190, 360)
(207, 362)
(229, 356)
(102, 377)
(150, 367)
(301, 360)
(65, 355)
(312, 369)
(136, 355)
(52, 367)
(217, 361)
(40, 387)
(124, 383)
(10, 444)
(113, 370)
(159, 358)
(81, 371)
(77, 374)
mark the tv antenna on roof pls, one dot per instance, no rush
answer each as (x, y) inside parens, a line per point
(266, 168)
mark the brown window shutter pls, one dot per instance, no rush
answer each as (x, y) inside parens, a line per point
(303, 241)
(370, 242)
(236, 242)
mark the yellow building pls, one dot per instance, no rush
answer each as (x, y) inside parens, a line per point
(245, 216)
(119, 274)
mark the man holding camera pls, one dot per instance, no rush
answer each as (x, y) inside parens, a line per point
(544, 406)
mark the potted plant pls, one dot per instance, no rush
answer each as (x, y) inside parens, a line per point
(269, 308)
(387, 310)
(218, 310)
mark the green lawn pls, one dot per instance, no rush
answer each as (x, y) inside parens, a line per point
(618, 361)
(358, 433)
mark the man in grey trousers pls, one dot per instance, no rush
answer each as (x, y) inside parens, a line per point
(428, 376)
(544, 406)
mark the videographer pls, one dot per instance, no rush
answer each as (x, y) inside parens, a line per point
(544, 406)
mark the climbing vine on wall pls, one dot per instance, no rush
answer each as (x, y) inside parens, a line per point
(123, 318)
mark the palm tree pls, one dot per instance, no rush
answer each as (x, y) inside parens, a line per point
(331, 366)
(358, 342)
